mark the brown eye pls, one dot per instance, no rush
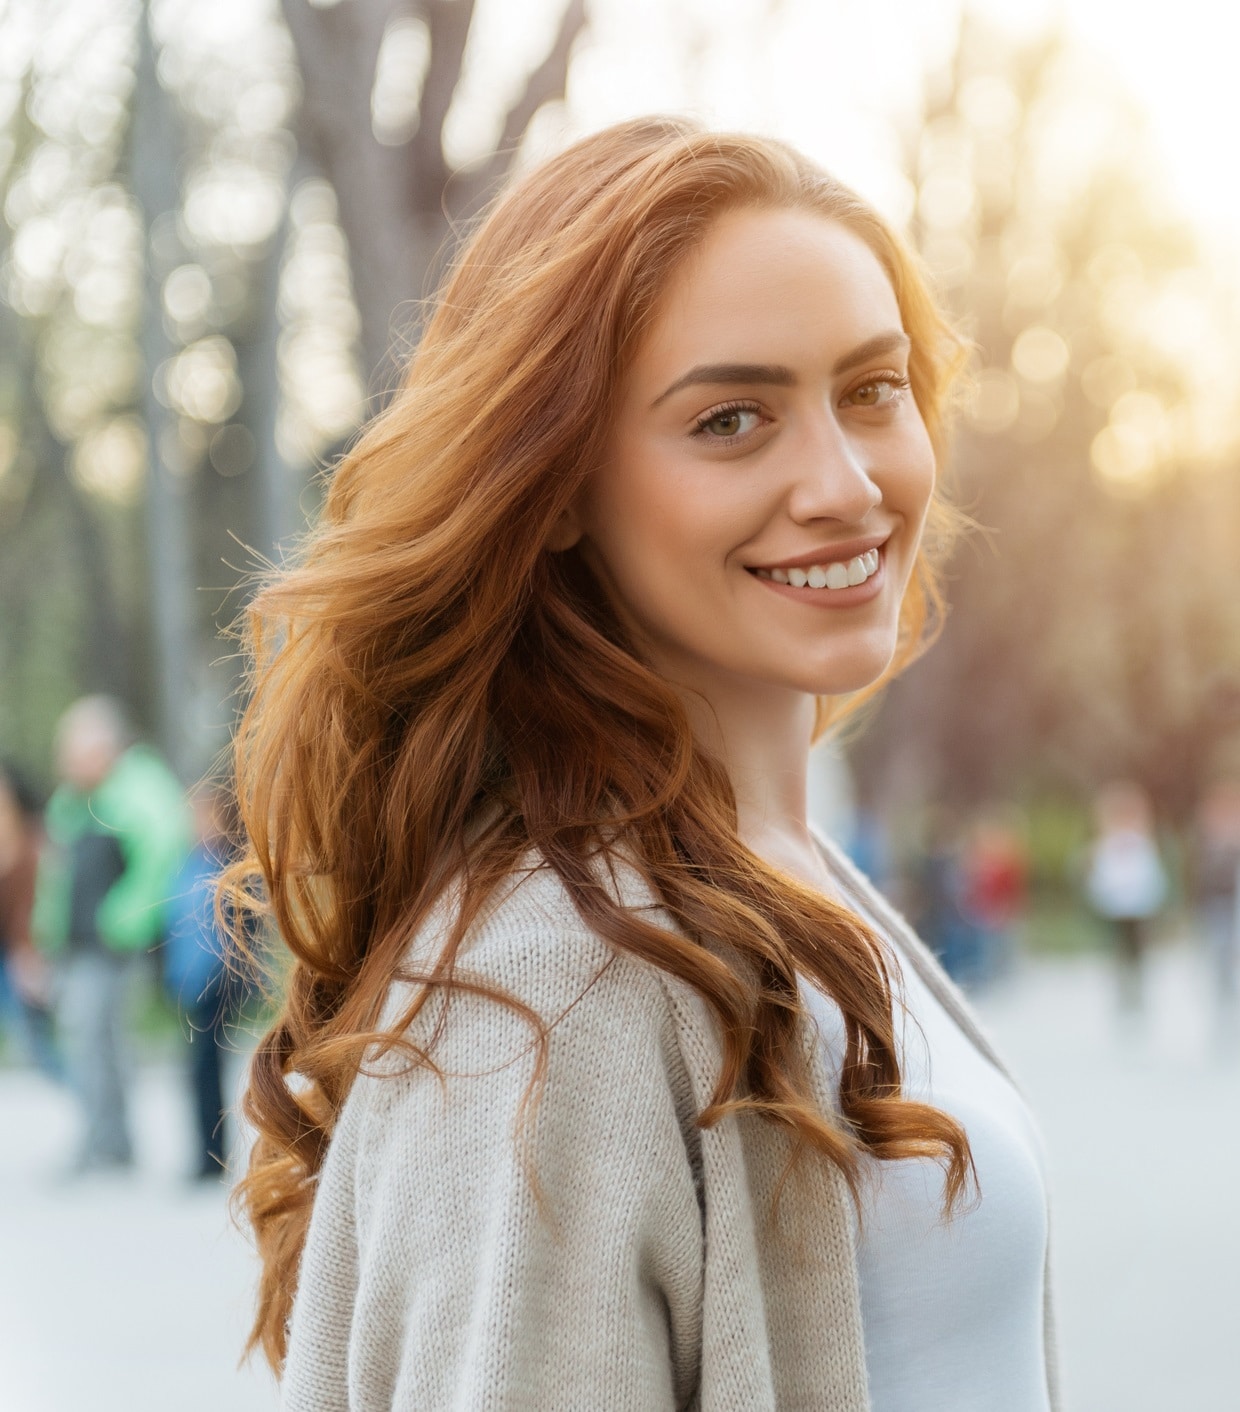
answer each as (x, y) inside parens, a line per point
(724, 424)
(728, 423)
(879, 392)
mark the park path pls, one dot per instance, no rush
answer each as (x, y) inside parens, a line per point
(131, 1295)
(118, 1293)
(1142, 1128)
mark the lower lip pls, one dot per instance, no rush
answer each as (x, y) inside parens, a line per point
(851, 597)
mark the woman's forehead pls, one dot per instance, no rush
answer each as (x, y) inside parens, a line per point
(768, 286)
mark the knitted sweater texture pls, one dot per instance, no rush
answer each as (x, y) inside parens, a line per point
(593, 1249)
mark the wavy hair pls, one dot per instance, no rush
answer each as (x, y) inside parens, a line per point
(424, 707)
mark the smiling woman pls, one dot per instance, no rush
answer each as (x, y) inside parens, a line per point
(600, 1080)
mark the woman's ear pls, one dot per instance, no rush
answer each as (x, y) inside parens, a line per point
(566, 531)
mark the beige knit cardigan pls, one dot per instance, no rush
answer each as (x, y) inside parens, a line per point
(606, 1256)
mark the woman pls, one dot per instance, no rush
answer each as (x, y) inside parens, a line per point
(593, 1085)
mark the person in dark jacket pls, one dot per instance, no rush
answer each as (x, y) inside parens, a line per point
(1214, 871)
(204, 976)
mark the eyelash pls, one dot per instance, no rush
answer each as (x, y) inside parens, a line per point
(897, 381)
(723, 410)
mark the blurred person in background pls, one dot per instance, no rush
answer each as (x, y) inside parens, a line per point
(1125, 881)
(117, 831)
(574, 984)
(935, 893)
(869, 846)
(25, 976)
(994, 888)
(204, 974)
(1214, 870)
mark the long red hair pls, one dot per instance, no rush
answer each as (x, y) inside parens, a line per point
(428, 673)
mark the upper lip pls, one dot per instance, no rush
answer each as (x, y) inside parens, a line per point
(838, 553)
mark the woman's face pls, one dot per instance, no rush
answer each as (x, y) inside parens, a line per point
(758, 512)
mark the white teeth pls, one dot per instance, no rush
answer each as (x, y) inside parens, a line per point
(828, 576)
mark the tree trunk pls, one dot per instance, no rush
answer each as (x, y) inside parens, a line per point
(154, 157)
(392, 199)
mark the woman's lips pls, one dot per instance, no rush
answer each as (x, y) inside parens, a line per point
(838, 553)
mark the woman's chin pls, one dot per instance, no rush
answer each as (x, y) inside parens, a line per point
(846, 674)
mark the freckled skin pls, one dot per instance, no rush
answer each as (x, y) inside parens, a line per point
(679, 512)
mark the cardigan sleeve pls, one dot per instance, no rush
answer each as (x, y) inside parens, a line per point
(471, 1250)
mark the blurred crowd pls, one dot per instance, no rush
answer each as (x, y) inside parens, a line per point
(109, 886)
(106, 887)
(972, 886)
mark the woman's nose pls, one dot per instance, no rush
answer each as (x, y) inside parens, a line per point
(833, 480)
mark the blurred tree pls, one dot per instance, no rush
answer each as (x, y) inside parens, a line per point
(155, 150)
(68, 576)
(379, 80)
(192, 298)
(1095, 625)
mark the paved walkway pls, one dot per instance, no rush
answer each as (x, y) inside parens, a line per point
(118, 1294)
(131, 1295)
(1142, 1129)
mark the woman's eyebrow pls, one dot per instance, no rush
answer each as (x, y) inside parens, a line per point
(716, 373)
(893, 341)
(775, 374)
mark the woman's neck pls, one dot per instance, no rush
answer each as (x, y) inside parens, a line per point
(763, 739)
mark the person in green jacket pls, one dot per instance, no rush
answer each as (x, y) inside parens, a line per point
(118, 829)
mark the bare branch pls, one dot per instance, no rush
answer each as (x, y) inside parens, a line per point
(336, 47)
(547, 82)
(548, 79)
(337, 50)
(448, 22)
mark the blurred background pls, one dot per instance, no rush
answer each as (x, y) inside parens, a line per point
(217, 224)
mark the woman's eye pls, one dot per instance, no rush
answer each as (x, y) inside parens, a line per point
(878, 392)
(729, 422)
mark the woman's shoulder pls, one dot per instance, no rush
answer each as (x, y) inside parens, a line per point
(530, 944)
(530, 918)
